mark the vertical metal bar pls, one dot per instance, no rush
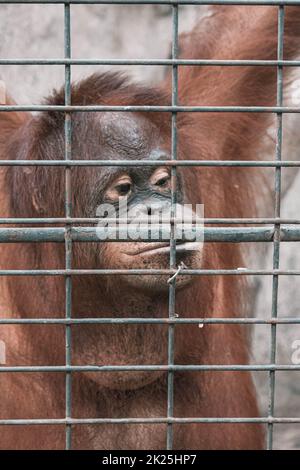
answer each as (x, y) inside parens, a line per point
(68, 214)
(276, 243)
(172, 288)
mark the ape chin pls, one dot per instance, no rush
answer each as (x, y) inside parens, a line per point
(154, 256)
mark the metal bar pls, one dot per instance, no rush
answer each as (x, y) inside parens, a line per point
(95, 220)
(151, 109)
(149, 368)
(82, 421)
(150, 62)
(149, 272)
(157, 2)
(172, 284)
(277, 233)
(98, 234)
(67, 232)
(145, 320)
(148, 163)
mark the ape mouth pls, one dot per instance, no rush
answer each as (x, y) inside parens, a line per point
(153, 249)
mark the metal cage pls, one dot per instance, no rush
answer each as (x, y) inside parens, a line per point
(273, 230)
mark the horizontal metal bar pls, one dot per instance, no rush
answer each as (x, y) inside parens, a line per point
(94, 220)
(94, 421)
(150, 62)
(97, 234)
(150, 368)
(149, 272)
(157, 2)
(156, 163)
(159, 321)
(150, 109)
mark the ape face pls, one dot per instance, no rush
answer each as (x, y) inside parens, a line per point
(136, 193)
(102, 191)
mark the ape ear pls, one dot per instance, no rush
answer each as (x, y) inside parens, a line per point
(10, 121)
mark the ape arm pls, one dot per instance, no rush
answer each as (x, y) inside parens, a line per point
(242, 33)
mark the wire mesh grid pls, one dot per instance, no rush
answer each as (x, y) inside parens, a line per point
(277, 230)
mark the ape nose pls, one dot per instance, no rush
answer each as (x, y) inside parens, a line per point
(153, 207)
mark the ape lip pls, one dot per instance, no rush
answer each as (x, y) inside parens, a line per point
(180, 247)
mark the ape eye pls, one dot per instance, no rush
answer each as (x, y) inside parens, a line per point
(121, 187)
(161, 178)
(162, 182)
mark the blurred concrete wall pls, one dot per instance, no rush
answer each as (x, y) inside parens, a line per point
(98, 31)
(106, 31)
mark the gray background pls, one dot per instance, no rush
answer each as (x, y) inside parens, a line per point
(106, 31)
